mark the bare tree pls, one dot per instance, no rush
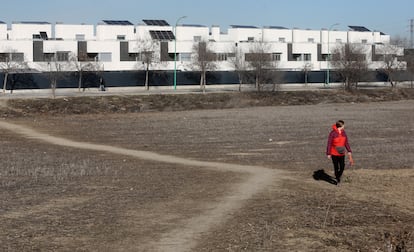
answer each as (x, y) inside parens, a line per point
(400, 41)
(204, 60)
(56, 72)
(236, 59)
(83, 65)
(307, 67)
(261, 63)
(146, 54)
(12, 63)
(391, 63)
(350, 62)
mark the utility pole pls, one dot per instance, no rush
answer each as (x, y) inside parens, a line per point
(411, 33)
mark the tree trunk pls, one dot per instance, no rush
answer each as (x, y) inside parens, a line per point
(80, 81)
(5, 82)
(146, 79)
(306, 78)
(54, 89)
(201, 81)
(348, 84)
(13, 82)
(240, 81)
(204, 82)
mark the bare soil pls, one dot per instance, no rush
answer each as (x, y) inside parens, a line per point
(206, 172)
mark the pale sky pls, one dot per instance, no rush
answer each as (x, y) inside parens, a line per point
(391, 17)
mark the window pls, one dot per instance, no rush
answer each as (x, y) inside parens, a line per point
(4, 57)
(302, 57)
(311, 40)
(338, 40)
(145, 56)
(231, 55)
(275, 56)
(80, 37)
(197, 38)
(62, 56)
(120, 37)
(282, 40)
(364, 41)
(105, 57)
(297, 57)
(225, 56)
(49, 57)
(250, 39)
(16, 57)
(185, 56)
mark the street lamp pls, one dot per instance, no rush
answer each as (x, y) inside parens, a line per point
(175, 51)
(329, 55)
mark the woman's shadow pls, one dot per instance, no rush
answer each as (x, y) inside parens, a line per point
(322, 175)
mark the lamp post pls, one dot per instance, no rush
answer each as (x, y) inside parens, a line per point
(329, 55)
(175, 51)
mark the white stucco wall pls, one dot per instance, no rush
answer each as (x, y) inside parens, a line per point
(3, 31)
(69, 31)
(21, 46)
(52, 46)
(187, 33)
(304, 36)
(243, 34)
(25, 31)
(277, 35)
(110, 32)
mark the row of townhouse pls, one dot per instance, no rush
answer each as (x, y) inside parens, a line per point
(117, 45)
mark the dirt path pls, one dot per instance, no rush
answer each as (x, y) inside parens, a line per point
(184, 238)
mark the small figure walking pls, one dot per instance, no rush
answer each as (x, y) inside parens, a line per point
(337, 147)
(102, 84)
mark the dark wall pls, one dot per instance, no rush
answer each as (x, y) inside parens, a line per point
(166, 78)
(38, 51)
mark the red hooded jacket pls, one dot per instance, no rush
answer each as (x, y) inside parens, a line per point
(337, 138)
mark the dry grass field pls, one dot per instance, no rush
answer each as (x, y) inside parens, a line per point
(218, 172)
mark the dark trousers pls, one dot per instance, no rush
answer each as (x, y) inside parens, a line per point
(339, 166)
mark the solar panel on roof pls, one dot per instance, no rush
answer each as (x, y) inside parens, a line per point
(43, 35)
(162, 35)
(277, 27)
(33, 22)
(193, 25)
(244, 26)
(155, 22)
(359, 28)
(117, 22)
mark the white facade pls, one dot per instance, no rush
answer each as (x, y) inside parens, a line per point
(115, 43)
(74, 32)
(22, 46)
(115, 32)
(3, 31)
(27, 30)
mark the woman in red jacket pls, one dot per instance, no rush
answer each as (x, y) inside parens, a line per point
(337, 147)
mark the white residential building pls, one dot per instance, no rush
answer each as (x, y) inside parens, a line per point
(117, 44)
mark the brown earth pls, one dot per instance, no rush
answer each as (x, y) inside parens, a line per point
(206, 172)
